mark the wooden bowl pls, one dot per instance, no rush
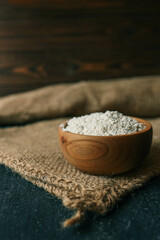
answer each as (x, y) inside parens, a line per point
(103, 155)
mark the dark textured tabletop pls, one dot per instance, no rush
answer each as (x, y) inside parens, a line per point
(28, 212)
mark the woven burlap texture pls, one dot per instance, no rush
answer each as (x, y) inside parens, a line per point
(32, 149)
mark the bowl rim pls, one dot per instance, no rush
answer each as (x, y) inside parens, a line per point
(140, 120)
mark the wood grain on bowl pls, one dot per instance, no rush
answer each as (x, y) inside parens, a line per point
(106, 154)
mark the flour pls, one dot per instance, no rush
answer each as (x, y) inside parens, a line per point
(104, 124)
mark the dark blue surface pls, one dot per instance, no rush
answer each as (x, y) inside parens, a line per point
(28, 212)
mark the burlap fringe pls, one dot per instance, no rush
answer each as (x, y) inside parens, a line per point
(79, 215)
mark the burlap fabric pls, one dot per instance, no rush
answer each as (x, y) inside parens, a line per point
(30, 147)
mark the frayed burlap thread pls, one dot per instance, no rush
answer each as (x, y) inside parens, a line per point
(33, 151)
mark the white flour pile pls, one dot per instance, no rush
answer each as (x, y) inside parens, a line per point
(104, 124)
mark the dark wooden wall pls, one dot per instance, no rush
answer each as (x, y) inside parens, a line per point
(45, 42)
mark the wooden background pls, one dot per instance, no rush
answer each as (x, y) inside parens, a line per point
(45, 42)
